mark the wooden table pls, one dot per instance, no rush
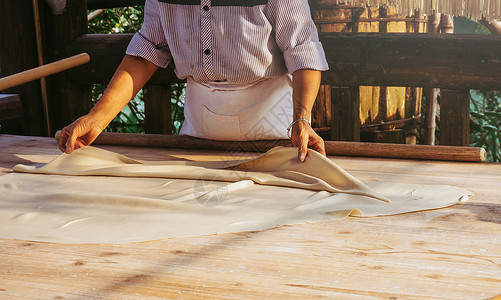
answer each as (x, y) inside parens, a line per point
(452, 253)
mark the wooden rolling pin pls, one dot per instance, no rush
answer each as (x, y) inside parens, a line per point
(423, 152)
(43, 71)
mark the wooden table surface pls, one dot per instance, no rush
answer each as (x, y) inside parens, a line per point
(452, 253)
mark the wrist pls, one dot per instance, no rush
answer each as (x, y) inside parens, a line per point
(303, 114)
(98, 119)
(296, 121)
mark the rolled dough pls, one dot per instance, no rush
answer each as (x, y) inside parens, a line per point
(97, 196)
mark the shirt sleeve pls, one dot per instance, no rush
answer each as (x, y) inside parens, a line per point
(150, 43)
(296, 35)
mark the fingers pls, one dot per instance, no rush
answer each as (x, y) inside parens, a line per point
(68, 140)
(62, 140)
(70, 144)
(303, 147)
(80, 133)
(318, 144)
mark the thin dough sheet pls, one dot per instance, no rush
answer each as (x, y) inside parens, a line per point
(97, 196)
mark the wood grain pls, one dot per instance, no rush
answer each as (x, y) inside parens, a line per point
(455, 117)
(345, 110)
(451, 253)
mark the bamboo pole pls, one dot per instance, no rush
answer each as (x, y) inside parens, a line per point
(491, 9)
(43, 71)
(94, 14)
(432, 26)
(408, 151)
(493, 26)
(43, 83)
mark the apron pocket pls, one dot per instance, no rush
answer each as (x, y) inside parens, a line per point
(220, 127)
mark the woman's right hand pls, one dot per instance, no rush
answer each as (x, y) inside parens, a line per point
(79, 134)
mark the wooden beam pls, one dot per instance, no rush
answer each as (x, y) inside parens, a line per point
(106, 52)
(458, 61)
(96, 4)
(454, 117)
(345, 121)
(425, 152)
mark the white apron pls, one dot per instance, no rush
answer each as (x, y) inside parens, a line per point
(226, 112)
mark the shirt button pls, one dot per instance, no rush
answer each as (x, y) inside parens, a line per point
(206, 8)
(207, 51)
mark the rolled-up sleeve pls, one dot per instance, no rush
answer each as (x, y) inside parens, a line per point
(150, 43)
(296, 35)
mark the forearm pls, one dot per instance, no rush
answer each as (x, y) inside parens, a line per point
(305, 85)
(129, 78)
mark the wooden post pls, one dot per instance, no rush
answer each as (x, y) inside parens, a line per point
(68, 99)
(11, 114)
(158, 113)
(455, 117)
(345, 121)
(18, 52)
(43, 84)
(454, 106)
(413, 95)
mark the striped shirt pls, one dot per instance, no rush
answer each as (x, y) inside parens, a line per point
(232, 41)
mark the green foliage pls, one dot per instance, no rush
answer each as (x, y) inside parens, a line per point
(469, 25)
(485, 117)
(177, 106)
(118, 20)
(131, 118)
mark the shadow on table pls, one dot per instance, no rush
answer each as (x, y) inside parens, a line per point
(483, 211)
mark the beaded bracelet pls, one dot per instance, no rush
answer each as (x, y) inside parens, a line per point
(294, 122)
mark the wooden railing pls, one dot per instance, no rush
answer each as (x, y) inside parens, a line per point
(454, 63)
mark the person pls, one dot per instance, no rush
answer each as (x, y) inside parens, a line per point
(253, 70)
